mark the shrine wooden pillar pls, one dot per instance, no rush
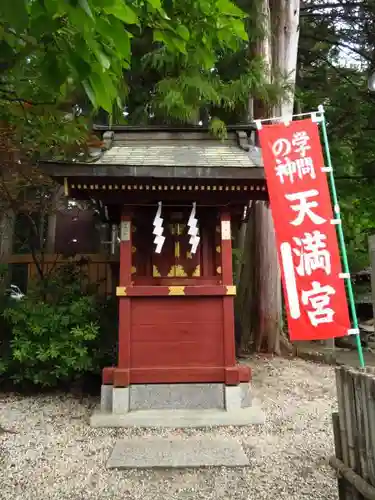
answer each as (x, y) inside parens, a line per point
(122, 374)
(232, 374)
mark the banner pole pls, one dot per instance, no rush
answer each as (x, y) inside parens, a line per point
(340, 233)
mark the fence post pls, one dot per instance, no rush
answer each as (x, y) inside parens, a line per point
(371, 247)
(341, 484)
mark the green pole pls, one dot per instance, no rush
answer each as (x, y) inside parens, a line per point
(340, 233)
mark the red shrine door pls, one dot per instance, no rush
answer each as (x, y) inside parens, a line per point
(175, 262)
(176, 259)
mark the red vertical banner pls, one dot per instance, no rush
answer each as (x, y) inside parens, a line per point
(309, 255)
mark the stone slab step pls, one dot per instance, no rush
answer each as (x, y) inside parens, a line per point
(172, 452)
(179, 418)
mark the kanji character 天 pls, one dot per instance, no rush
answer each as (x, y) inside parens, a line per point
(313, 254)
(319, 299)
(300, 142)
(303, 208)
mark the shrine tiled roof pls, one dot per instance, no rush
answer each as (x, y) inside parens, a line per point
(178, 150)
(211, 154)
(164, 154)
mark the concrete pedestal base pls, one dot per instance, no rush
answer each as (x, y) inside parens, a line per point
(176, 405)
(175, 397)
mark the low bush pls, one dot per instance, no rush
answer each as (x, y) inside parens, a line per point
(5, 330)
(59, 331)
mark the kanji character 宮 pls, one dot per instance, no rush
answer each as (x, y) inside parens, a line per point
(313, 254)
(319, 299)
(303, 208)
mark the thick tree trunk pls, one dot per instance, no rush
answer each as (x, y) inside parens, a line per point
(285, 30)
(248, 286)
(259, 288)
(270, 304)
(260, 297)
(6, 235)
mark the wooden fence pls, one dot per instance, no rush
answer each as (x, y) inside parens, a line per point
(96, 269)
(354, 432)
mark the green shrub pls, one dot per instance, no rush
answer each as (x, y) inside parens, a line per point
(56, 334)
(106, 343)
(51, 342)
(5, 330)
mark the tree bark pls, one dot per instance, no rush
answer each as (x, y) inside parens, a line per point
(246, 304)
(270, 305)
(285, 29)
(6, 236)
(260, 297)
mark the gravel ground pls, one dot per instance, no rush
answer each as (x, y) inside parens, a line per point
(52, 453)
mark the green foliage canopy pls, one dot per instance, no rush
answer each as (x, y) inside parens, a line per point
(89, 42)
(325, 77)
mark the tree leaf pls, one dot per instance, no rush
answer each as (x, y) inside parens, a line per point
(183, 32)
(206, 58)
(230, 9)
(86, 7)
(119, 102)
(114, 30)
(15, 13)
(90, 92)
(102, 93)
(156, 4)
(227, 38)
(122, 11)
(42, 24)
(206, 7)
(239, 29)
(179, 44)
(172, 42)
(103, 59)
(55, 8)
(159, 36)
(54, 75)
(103, 3)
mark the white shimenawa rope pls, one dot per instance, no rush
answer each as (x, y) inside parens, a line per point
(158, 230)
(193, 230)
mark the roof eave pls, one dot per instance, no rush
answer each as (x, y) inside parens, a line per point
(165, 128)
(61, 170)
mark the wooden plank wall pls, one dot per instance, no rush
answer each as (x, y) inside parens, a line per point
(354, 433)
(97, 268)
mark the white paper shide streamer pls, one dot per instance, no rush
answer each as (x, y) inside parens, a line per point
(193, 230)
(158, 230)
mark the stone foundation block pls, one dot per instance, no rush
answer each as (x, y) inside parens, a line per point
(106, 399)
(120, 400)
(176, 397)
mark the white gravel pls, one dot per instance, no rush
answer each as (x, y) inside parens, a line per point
(54, 454)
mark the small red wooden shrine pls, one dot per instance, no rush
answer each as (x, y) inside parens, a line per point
(176, 319)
